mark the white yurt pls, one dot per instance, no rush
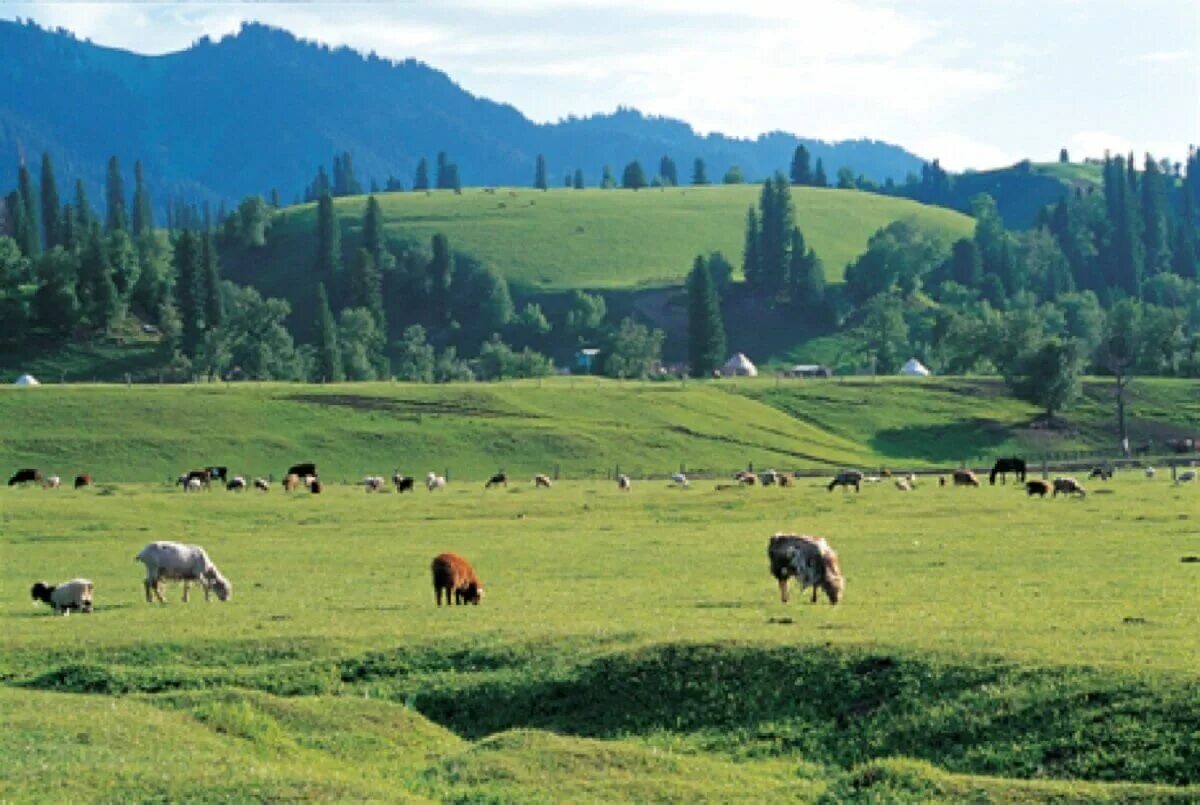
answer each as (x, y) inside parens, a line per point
(914, 368)
(26, 380)
(739, 366)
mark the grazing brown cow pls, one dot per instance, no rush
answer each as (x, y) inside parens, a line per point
(1039, 488)
(454, 575)
(810, 560)
(82, 480)
(746, 478)
(784, 479)
(965, 478)
(1068, 486)
(291, 483)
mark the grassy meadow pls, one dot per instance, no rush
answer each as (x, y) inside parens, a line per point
(630, 646)
(598, 239)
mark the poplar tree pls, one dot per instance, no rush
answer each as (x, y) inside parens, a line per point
(214, 303)
(98, 292)
(539, 173)
(188, 291)
(706, 330)
(819, 177)
(366, 287)
(329, 240)
(114, 196)
(328, 358)
(440, 273)
(52, 220)
(27, 191)
(443, 178)
(699, 172)
(143, 215)
(85, 216)
(372, 229)
(577, 179)
(668, 172)
(751, 259)
(421, 180)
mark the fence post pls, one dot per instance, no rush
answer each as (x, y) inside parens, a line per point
(556, 471)
(1045, 468)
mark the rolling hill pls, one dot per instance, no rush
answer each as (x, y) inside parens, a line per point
(261, 109)
(584, 426)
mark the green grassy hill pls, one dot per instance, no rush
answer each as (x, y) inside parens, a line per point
(586, 426)
(593, 239)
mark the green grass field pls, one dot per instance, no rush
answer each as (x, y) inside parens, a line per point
(564, 239)
(630, 647)
(586, 426)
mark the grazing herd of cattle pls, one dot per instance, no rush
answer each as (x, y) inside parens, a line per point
(808, 560)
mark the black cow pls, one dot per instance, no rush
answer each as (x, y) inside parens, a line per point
(220, 473)
(301, 470)
(404, 483)
(1004, 466)
(26, 476)
(496, 480)
(203, 476)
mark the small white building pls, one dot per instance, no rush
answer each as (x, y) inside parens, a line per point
(914, 368)
(26, 380)
(739, 366)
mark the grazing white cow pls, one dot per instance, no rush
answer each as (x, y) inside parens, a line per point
(810, 561)
(1150, 472)
(51, 482)
(434, 481)
(623, 482)
(174, 561)
(680, 479)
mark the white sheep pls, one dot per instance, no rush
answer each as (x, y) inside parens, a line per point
(434, 481)
(193, 485)
(680, 479)
(373, 483)
(52, 482)
(903, 485)
(74, 594)
(1150, 472)
(173, 561)
(623, 482)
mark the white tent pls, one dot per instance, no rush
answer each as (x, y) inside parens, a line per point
(739, 366)
(26, 380)
(914, 368)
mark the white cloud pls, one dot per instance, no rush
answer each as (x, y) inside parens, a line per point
(1096, 143)
(1166, 57)
(959, 152)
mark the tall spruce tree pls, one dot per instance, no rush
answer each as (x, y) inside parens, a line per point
(214, 303)
(776, 224)
(539, 174)
(633, 177)
(33, 212)
(801, 172)
(52, 221)
(442, 176)
(19, 224)
(143, 214)
(1156, 244)
(421, 179)
(607, 180)
(328, 358)
(372, 229)
(366, 287)
(329, 240)
(440, 274)
(706, 330)
(699, 172)
(577, 179)
(189, 291)
(751, 259)
(806, 276)
(85, 216)
(98, 292)
(114, 195)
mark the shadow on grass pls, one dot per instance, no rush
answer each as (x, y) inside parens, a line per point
(952, 442)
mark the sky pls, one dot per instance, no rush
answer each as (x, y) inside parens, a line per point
(978, 84)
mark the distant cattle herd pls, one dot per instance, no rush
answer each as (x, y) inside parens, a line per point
(807, 559)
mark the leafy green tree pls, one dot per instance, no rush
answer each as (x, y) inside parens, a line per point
(585, 316)
(845, 178)
(633, 177)
(56, 301)
(153, 286)
(361, 343)
(115, 197)
(421, 180)
(734, 175)
(415, 361)
(706, 328)
(19, 224)
(897, 260)
(450, 368)
(484, 300)
(52, 221)
(143, 213)
(497, 361)
(801, 172)
(1048, 376)
(884, 332)
(806, 276)
(699, 172)
(329, 240)
(246, 227)
(966, 267)
(366, 287)
(530, 326)
(539, 174)
(440, 273)
(633, 350)
(327, 366)
(125, 263)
